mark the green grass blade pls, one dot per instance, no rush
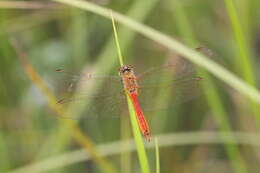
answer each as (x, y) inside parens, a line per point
(120, 57)
(138, 139)
(136, 131)
(243, 64)
(210, 90)
(157, 155)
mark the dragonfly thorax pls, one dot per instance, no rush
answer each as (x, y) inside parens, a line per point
(128, 78)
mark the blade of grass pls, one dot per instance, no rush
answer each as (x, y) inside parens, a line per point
(125, 157)
(211, 93)
(26, 5)
(136, 131)
(138, 139)
(82, 139)
(120, 57)
(243, 64)
(195, 57)
(166, 140)
(157, 155)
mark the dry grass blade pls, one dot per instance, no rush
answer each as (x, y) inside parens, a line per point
(27, 5)
(80, 138)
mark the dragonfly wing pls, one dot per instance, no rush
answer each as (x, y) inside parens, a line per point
(171, 72)
(174, 83)
(105, 100)
(80, 82)
(177, 68)
(169, 94)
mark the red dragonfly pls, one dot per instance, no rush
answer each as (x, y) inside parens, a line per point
(131, 88)
(177, 78)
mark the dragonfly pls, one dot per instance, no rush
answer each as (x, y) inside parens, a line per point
(178, 76)
(131, 87)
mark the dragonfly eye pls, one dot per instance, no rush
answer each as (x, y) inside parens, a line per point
(125, 68)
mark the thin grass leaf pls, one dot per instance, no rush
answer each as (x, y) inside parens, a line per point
(244, 65)
(157, 155)
(120, 57)
(166, 140)
(210, 90)
(136, 130)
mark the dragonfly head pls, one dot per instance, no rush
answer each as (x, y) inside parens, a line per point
(125, 69)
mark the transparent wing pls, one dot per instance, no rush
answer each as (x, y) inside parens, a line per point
(95, 107)
(166, 86)
(169, 94)
(176, 69)
(79, 82)
(172, 71)
(96, 96)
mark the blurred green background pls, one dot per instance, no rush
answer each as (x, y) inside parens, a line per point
(196, 136)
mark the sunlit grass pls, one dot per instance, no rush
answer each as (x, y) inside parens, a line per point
(157, 155)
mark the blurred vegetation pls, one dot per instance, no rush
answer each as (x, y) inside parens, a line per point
(36, 138)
